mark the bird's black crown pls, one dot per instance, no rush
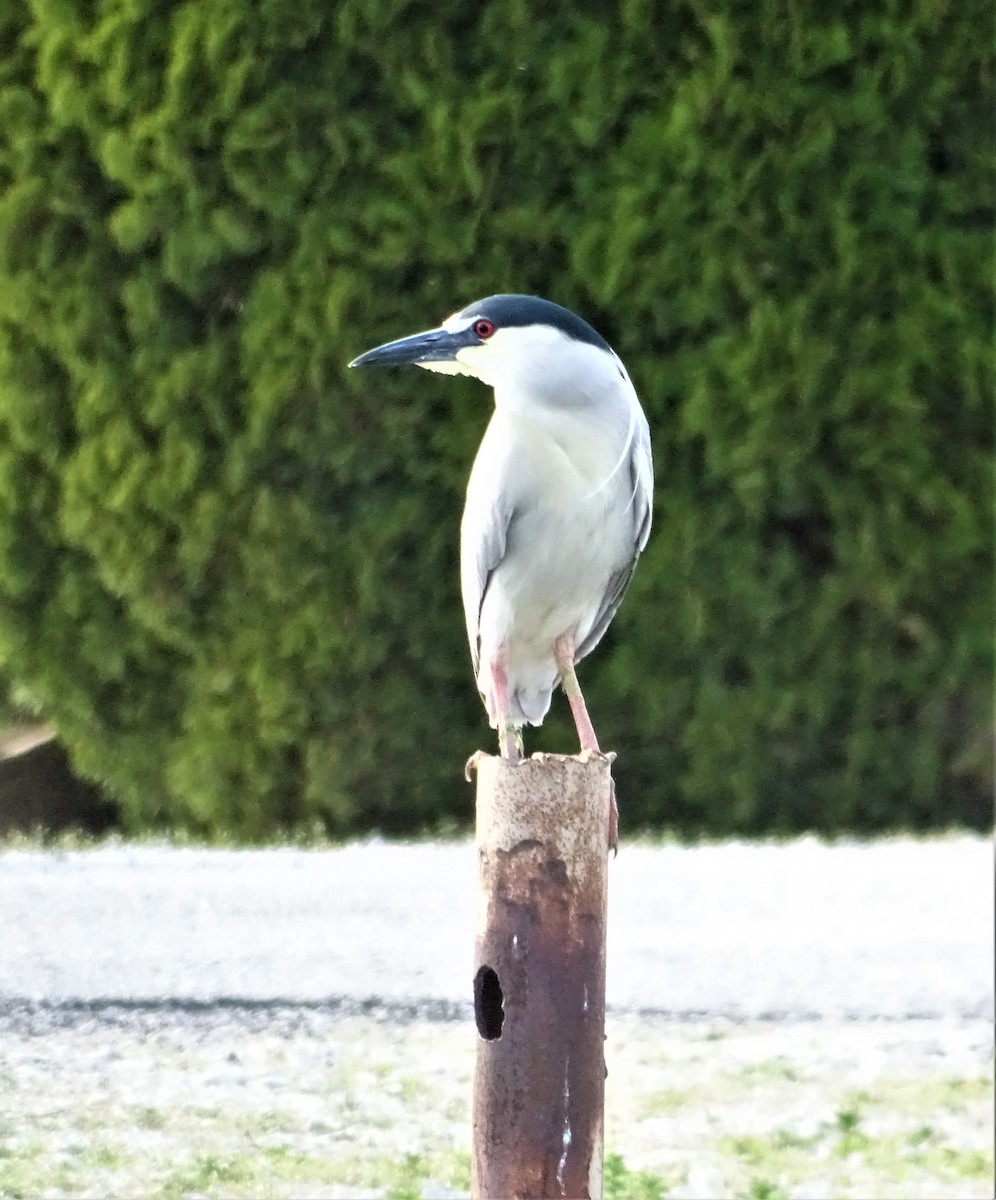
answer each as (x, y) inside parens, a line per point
(515, 310)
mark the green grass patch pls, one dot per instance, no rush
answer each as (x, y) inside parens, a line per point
(620, 1183)
(764, 1189)
(665, 1101)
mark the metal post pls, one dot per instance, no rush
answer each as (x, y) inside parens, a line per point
(539, 986)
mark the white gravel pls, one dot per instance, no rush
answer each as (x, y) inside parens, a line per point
(892, 928)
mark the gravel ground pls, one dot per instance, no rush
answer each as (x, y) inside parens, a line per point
(896, 928)
(797, 1020)
(228, 1100)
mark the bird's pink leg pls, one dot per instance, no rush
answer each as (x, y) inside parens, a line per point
(563, 653)
(509, 737)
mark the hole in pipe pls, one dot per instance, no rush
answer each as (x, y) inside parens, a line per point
(488, 1010)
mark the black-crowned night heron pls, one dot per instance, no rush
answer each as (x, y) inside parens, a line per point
(558, 504)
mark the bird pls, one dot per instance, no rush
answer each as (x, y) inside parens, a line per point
(559, 501)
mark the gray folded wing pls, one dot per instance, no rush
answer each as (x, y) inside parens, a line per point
(641, 480)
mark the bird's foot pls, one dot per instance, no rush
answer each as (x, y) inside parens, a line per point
(510, 747)
(590, 753)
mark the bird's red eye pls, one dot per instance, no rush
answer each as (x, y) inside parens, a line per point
(484, 328)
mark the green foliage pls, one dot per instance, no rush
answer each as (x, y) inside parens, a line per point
(227, 569)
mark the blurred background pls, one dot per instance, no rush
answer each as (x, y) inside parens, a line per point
(228, 569)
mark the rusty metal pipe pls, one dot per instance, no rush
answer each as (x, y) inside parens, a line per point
(539, 984)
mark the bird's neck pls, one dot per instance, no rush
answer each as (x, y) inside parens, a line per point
(585, 440)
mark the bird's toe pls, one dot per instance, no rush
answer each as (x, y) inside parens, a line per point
(589, 755)
(472, 763)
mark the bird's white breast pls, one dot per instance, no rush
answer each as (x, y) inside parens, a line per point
(566, 477)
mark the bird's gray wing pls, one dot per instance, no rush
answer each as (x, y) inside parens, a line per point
(641, 480)
(488, 517)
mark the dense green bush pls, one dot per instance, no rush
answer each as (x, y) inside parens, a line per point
(228, 569)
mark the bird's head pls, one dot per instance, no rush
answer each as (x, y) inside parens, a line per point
(520, 342)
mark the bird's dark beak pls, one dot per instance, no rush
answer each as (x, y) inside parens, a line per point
(433, 346)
